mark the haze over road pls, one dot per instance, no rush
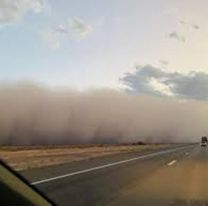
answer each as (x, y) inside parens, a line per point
(175, 176)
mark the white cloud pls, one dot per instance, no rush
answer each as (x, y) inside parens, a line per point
(159, 86)
(61, 29)
(79, 28)
(157, 82)
(74, 28)
(164, 63)
(195, 26)
(182, 22)
(177, 36)
(14, 10)
(52, 38)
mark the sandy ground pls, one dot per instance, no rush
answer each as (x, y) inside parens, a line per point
(21, 158)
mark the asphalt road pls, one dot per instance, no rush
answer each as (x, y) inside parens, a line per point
(175, 176)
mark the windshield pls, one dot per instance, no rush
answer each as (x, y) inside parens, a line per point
(104, 102)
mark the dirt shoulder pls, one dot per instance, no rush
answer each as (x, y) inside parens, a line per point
(24, 157)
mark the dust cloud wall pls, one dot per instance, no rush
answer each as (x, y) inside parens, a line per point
(31, 114)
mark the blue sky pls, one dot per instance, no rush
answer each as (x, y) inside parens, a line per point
(92, 43)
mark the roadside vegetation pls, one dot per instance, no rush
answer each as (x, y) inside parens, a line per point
(25, 157)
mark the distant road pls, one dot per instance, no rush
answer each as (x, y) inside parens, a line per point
(175, 176)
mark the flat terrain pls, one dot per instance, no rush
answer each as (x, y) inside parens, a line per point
(171, 176)
(25, 157)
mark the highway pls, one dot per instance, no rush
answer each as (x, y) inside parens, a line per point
(174, 176)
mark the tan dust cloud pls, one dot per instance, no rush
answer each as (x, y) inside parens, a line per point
(31, 114)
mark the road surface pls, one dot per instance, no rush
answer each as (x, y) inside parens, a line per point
(175, 176)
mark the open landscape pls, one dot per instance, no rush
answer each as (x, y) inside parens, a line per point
(104, 103)
(25, 157)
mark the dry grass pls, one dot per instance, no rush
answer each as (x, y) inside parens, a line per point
(24, 157)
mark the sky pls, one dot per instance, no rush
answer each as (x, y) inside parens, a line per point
(152, 54)
(100, 43)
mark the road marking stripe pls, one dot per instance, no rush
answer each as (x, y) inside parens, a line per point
(108, 165)
(172, 162)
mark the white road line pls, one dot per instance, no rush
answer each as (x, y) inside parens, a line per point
(172, 162)
(108, 165)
